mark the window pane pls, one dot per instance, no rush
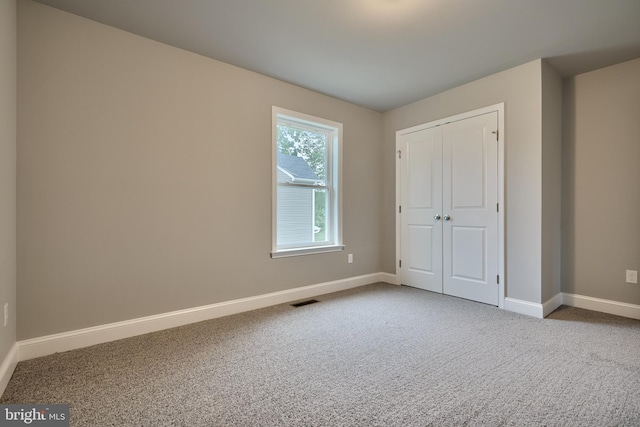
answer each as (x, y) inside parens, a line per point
(320, 219)
(295, 215)
(302, 159)
(308, 144)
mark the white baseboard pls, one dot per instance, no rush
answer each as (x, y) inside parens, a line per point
(605, 306)
(596, 304)
(43, 346)
(7, 367)
(524, 307)
(392, 279)
(553, 303)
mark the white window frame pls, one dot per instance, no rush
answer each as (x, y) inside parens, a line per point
(333, 184)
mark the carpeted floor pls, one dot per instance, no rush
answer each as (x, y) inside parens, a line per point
(380, 355)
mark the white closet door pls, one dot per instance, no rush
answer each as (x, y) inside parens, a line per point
(470, 199)
(449, 198)
(421, 201)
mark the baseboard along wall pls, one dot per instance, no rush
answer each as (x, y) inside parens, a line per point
(43, 346)
(8, 366)
(524, 307)
(605, 306)
(532, 309)
(50, 344)
(596, 304)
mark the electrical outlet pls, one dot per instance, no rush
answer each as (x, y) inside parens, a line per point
(350, 258)
(632, 276)
(6, 313)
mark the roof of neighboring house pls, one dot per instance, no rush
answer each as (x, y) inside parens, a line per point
(296, 167)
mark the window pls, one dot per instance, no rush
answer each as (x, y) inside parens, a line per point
(306, 184)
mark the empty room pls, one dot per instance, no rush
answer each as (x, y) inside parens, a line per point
(320, 213)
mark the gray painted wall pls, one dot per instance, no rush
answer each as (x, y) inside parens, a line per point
(551, 181)
(125, 208)
(124, 197)
(520, 88)
(601, 176)
(8, 70)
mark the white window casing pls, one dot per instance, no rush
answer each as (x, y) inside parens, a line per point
(294, 199)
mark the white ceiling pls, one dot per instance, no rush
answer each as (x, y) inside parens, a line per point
(382, 54)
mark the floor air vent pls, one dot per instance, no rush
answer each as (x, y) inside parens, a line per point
(300, 304)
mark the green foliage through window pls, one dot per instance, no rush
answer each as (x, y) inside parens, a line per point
(311, 146)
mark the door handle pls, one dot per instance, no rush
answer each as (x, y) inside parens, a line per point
(446, 217)
(436, 217)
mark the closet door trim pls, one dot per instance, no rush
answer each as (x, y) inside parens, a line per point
(501, 207)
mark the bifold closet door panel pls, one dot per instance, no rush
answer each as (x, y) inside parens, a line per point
(470, 200)
(421, 201)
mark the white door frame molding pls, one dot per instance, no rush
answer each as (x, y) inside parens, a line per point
(499, 108)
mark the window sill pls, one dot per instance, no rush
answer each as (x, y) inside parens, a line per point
(284, 253)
